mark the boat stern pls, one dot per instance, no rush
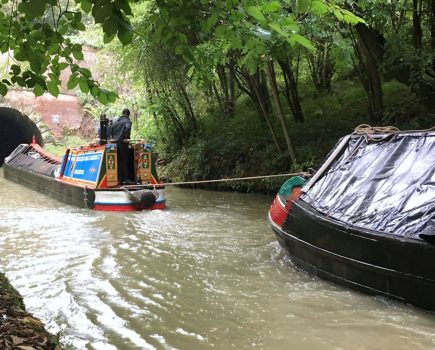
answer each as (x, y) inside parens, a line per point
(282, 203)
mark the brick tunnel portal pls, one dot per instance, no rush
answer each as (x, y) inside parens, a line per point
(15, 128)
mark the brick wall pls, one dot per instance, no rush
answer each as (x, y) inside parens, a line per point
(59, 113)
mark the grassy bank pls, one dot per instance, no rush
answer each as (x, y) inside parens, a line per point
(241, 145)
(18, 328)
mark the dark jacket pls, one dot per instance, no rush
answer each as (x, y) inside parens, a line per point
(121, 129)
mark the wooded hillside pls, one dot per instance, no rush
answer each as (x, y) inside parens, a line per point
(234, 88)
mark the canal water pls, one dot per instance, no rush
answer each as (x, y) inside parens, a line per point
(207, 273)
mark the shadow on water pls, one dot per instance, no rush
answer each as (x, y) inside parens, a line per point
(206, 273)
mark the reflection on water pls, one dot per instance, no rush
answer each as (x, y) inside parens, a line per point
(206, 273)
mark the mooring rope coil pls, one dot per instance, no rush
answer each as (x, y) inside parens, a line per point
(369, 132)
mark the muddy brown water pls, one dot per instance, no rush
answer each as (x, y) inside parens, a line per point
(207, 273)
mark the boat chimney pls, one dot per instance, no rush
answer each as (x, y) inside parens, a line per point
(33, 140)
(104, 132)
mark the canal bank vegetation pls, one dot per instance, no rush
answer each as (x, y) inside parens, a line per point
(18, 328)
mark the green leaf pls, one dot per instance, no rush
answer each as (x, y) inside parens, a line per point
(110, 27)
(236, 43)
(72, 82)
(303, 5)
(255, 12)
(222, 31)
(35, 64)
(318, 7)
(15, 69)
(4, 47)
(124, 6)
(53, 48)
(125, 35)
(112, 97)
(63, 65)
(84, 87)
(211, 21)
(272, 6)
(20, 81)
(102, 97)
(107, 39)
(80, 26)
(78, 55)
(86, 72)
(296, 38)
(63, 29)
(53, 88)
(95, 91)
(35, 8)
(38, 90)
(347, 16)
(277, 28)
(86, 6)
(3, 89)
(78, 16)
(100, 13)
(54, 78)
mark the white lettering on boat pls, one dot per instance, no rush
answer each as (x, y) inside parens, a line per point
(86, 158)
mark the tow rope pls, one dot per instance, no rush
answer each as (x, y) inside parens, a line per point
(303, 174)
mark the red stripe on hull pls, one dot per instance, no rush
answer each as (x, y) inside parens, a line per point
(161, 205)
(108, 207)
(277, 212)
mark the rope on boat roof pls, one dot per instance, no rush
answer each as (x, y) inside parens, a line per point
(368, 131)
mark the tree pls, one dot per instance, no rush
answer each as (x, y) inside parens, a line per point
(34, 35)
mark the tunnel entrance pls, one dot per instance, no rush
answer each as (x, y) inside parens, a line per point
(15, 128)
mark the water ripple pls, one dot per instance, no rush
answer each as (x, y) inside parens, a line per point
(206, 273)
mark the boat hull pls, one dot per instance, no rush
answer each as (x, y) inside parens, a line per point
(73, 194)
(375, 263)
(67, 193)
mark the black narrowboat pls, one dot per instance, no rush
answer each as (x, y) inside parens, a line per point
(366, 218)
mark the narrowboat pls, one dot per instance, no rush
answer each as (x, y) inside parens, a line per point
(366, 218)
(87, 176)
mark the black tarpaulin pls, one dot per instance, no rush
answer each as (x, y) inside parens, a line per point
(32, 161)
(381, 183)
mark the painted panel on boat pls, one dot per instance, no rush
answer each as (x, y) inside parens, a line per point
(87, 166)
(69, 164)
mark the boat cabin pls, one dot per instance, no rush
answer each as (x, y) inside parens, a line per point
(97, 165)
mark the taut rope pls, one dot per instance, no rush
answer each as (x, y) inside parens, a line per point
(303, 174)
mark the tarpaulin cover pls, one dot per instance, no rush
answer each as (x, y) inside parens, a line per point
(33, 163)
(386, 184)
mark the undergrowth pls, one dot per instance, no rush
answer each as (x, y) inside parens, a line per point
(241, 145)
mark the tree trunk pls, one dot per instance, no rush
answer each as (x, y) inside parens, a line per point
(432, 31)
(370, 52)
(275, 94)
(171, 112)
(248, 84)
(232, 86)
(292, 92)
(322, 68)
(417, 31)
